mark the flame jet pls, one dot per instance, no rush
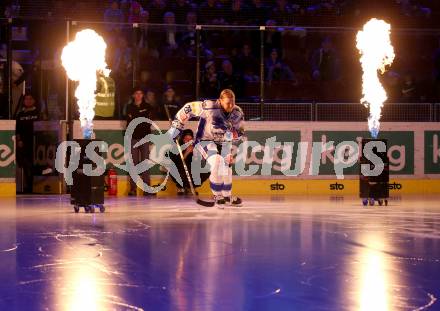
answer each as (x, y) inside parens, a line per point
(374, 45)
(82, 59)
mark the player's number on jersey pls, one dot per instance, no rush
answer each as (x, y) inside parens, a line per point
(187, 109)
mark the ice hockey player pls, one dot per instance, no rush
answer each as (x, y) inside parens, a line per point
(220, 124)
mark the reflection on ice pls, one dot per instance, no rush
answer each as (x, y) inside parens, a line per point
(374, 287)
(82, 290)
(167, 254)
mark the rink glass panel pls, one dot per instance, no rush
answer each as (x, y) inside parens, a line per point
(154, 66)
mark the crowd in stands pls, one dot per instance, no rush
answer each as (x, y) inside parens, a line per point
(298, 63)
(232, 12)
(159, 54)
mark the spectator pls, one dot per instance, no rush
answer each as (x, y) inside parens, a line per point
(139, 108)
(18, 78)
(25, 139)
(157, 10)
(230, 80)
(325, 62)
(238, 14)
(324, 7)
(13, 10)
(187, 38)
(409, 91)
(186, 137)
(272, 37)
(135, 15)
(211, 12)
(142, 36)
(169, 45)
(282, 13)
(171, 102)
(246, 62)
(437, 71)
(145, 78)
(210, 85)
(259, 12)
(150, 99)
(122, 71)
(276, 69)
(392, 85)
(148, 39)
(249, 76)
(125, 5)
(149, 96)
(414, 9)
(248, 65)
(191, 18)
(181, 8)
(113, 14)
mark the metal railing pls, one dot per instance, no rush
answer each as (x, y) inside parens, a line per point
(340, 112)
(391, 112)
(437, 112)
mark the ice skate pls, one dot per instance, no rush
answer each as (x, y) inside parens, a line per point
(233, 201)
(219, 201)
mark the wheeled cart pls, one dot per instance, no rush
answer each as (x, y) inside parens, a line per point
(374, 188)
(86, 191)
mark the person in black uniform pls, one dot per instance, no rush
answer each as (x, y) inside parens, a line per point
(25, 139)
(139, 108)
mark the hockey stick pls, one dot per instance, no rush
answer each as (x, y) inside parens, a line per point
(188, 176)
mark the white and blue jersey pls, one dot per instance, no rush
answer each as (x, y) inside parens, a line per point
(215, 124)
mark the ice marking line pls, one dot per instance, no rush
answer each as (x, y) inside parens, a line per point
(99, 282)
(121, 285)
(156, 287)
(417, 259)
(93, 265)
(80, 236)
(42, 252)
(102, 268)
(10, 249)
(34, 281)
(220, 256)
(141, 224)
(55, 264)
(429, 304)
(122, 304)
(275, 292)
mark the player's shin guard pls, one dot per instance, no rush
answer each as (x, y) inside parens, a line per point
(227, 182)
(216, 178)
(216, 187)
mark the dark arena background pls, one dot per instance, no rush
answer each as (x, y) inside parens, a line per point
(318, 238)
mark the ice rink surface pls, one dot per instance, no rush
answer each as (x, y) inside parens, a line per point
(274, 253)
